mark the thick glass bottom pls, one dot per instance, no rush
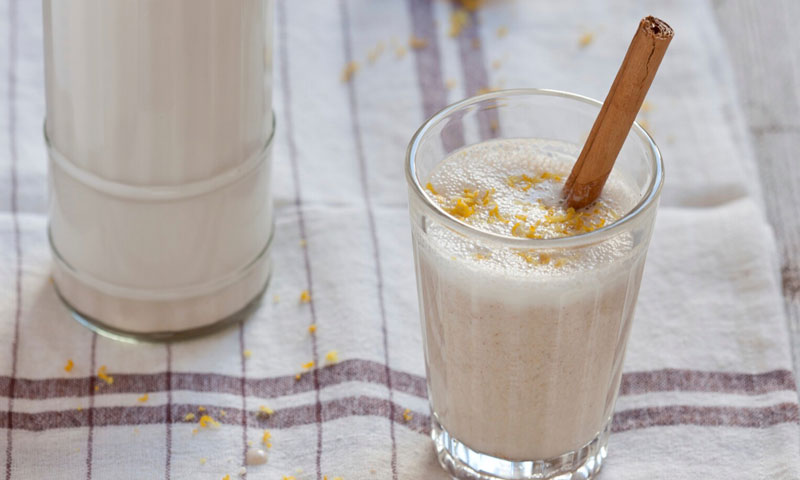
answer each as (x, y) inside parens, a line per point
(464, 463)
(152, 315)
(128, 336)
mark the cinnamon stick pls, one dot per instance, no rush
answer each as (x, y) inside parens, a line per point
(618, 112)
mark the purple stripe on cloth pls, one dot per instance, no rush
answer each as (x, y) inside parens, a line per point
(12, 153)
(243, 393)
(429, 71)
(761, 417)
(357, 370)
(428, 59)
(700, 381)
(355, 125)
(289, 129)
(154, 415)
(476, 76)
(91, 410)
(345, 371)
(627, 420)
(168, 414)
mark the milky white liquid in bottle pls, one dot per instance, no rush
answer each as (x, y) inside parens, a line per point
(159, 129)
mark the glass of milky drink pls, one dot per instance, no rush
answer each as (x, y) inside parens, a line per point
(526, 305)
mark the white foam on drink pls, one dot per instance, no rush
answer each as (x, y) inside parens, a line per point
(488, 166)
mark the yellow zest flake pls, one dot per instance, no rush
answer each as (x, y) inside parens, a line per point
(265, 439)
(247, 353)
(565, 217)
(289, 477)
(332, 357)
(348, 71)
(312, 329)
(305, 367)
(560, 262)
(305, 296)
(487, 197)
(495, 213)
(189, 417)
(471, 195)
(525, 182)
(458, 20)
(430, 188)
(471, 5)
(206, 421)
(203, 461)
(524, 218)
(586, 39)
(417, 43)
(516, 229)
(265, 411)
(407, 415)
(195, 431)
(461, 209)
(532, 230)
(143, 398)
(502, 31)
(376, 52)
(226, 477)
(480, 256)
(201, 409)
(527, 256)
(69, 365)
(102, 375)
(541, 259)
(550, 176)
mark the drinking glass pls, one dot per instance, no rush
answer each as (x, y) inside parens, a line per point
(523, 366)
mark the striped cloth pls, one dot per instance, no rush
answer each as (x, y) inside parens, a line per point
(708, 390)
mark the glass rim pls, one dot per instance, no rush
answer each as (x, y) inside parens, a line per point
(648, 199)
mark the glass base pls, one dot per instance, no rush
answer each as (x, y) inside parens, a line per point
(128, 336)
(463, 463)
